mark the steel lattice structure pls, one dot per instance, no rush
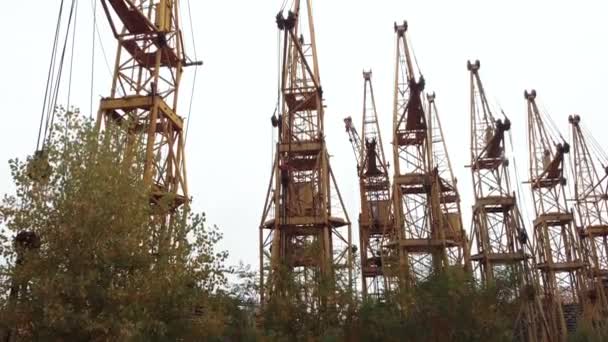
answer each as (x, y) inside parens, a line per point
(305, 234)
(445, 198)
(143, 100)
(423, 235)
(557, 249)
(374, 186)
(591, 195)
(500, 245)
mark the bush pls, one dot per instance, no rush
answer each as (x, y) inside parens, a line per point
(96, 274)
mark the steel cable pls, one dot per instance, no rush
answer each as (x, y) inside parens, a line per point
(57, 86)
(195, 72)
(50, 73)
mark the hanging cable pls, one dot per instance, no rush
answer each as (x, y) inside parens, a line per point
(93, 58)
(548, 129)
(592, 142)
(195, 71)
(553, 128)
(278, 102)
(411, 46)
(570, 160)
(283, 5)
(568, 190)
(600, 154)
(51, 109)
(102, 47)
(50, 73)
(520, 197)
(97, 35)
(504, 115)
(72, 58)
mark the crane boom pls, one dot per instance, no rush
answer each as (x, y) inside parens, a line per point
(355, 140)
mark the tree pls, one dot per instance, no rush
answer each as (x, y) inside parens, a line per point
(91, 275)
(448, 306)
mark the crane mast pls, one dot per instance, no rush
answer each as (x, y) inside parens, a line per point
(419, 244)
(591, 196)
(557, 245)
(497, 231)
(411, 250)
(445, 198)
(305, 236)
(374, 185)
(143, 101)
(500, 244)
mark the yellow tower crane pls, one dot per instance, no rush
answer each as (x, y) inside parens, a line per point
(591, 196)
(305, 234)
(500, 244)
(143, 100)
(445, 197)
(427, 235)
(558, 254)
(374, 186)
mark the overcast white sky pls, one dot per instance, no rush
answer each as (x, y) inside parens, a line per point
(557, 47)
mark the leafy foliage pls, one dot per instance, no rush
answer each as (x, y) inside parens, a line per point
(95, 275)
(449, 306)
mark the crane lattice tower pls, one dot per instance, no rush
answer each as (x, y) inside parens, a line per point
(143, 101)
(374, 186)
(445, 198)
(305, 234)
(419, 244)
(500, 246)
(591, 195)
(558, 253)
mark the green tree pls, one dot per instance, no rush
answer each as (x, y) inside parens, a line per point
(91, 275)
(448, 306)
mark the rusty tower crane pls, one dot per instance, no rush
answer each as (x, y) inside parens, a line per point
(143, 100)
(498, 233)
(374, 186)
(557, 249)
(305, 234)
(591, 196)
(419, 243)
(445, 198)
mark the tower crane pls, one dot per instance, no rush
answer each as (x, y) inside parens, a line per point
(591, 196)
(445, 198)
(558, 254)
(500, 242)
(305, 234)
(143, 100)
(420, 243)
(414, 248)
(374, 185)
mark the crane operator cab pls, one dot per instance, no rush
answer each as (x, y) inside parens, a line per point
(553, 167)
(494, 138)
